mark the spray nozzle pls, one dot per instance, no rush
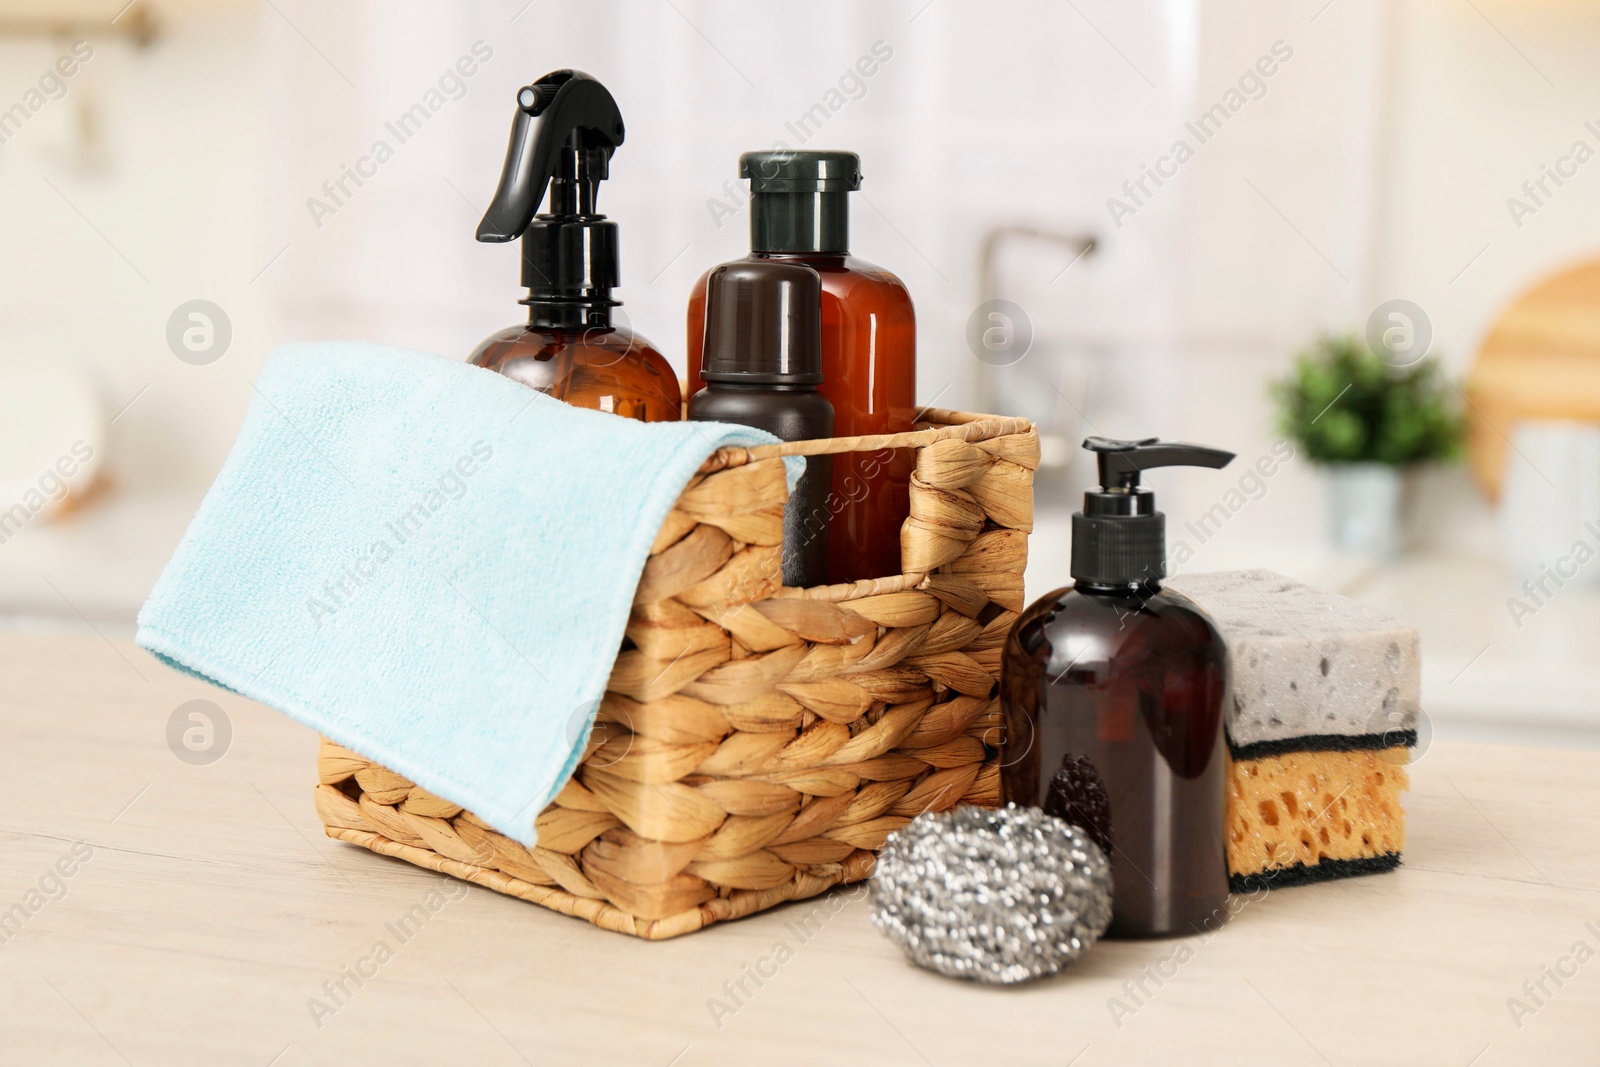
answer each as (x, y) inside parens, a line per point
(566, 126)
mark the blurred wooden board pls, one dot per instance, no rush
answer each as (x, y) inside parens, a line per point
(1540, 360)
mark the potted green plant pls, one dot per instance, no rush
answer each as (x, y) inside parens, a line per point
(1367, 423)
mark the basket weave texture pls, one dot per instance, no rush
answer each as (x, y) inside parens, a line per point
(757, 743)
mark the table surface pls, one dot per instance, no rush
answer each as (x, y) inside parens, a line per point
(210, 920)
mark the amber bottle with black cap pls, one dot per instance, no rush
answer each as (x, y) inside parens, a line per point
(1111, 702)
(762, 368)
(799, 213)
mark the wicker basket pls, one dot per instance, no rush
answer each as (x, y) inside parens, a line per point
(757, 743)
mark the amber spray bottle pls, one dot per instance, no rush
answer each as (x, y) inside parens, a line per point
(799, 213)
(566, 127)
(1112, 695)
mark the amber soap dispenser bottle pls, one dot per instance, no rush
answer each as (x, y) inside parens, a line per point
(1111, 698)
(799, 212)
(566, 128)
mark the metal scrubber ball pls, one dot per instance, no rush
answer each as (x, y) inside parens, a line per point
(995, 895)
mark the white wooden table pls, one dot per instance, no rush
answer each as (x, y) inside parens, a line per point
(211, 919)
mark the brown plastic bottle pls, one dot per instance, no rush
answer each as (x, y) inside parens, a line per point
(799, 213)
(763, 364)
(566, 127)
(1112, 694)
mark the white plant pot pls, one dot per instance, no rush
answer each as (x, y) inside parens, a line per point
(1550, 500)
(1364, 508)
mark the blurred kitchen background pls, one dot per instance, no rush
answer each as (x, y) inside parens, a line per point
(172, 211)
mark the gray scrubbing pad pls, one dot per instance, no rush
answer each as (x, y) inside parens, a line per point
(1307, 663)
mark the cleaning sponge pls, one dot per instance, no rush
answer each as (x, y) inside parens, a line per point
(1309, 669)
(1309, 816)
(1326, 694)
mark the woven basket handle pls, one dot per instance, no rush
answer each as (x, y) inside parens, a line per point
(943, 425)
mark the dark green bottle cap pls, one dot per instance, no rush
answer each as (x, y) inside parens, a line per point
(797, 199)
(801, 171)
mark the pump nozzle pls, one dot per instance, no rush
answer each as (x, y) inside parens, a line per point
(1119, 538)
(566, 127)
(1121, 461)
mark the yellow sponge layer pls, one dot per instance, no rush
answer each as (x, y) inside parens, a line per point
(1310, 807)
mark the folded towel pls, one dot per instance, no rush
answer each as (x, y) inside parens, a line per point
(428, 563)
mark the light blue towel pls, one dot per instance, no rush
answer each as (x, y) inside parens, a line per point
(427, 562)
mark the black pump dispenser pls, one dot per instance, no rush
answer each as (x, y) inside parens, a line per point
(1119, 539)
(566, 127)
(1111, 696)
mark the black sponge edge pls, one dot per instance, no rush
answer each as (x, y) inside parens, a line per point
(1300, 874)
(1325, 743)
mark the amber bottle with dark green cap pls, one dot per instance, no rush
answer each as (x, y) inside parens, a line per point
(799, 213)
